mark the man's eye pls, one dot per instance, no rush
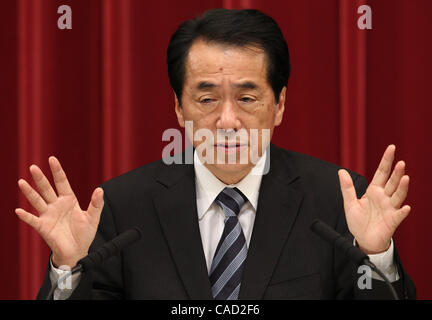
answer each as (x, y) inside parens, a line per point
(247, 99)
(206, 100)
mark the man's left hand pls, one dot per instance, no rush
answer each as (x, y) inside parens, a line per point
(373, 218)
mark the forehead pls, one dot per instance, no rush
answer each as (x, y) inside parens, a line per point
(217, 60)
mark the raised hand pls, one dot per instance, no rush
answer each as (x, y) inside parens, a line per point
(373, 219)
(66, 229)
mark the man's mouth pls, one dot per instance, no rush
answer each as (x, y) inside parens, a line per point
(230, 147)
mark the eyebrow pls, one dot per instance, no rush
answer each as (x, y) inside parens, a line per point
(206, 85)
(244, 85)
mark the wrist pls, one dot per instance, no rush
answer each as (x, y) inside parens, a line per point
(376, 250)
(59, 262)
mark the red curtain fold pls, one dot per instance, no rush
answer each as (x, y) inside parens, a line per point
(352, 70)
(116, 93)
(98, 98)
(30, 132)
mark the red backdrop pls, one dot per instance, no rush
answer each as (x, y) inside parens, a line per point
(98, 98)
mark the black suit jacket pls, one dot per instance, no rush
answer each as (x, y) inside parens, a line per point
(285, 259)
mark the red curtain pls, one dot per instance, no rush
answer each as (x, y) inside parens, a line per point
(98, 98)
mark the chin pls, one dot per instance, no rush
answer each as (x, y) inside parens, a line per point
(233, 169)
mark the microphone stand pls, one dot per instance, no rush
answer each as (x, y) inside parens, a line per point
(348, 249)
(382, 275)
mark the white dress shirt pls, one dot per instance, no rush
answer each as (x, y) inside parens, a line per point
(211, 221)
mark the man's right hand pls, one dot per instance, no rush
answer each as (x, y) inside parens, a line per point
(66, 228)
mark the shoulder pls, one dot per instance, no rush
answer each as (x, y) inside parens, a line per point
(139, 177)
(146, 180)
(315, 172)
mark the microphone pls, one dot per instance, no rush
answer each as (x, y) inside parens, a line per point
(108, 249)
(348, 249)
(101, 254)
(339, 241)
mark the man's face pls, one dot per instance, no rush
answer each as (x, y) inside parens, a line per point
(226, 91)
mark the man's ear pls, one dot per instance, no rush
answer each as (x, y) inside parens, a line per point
(179, 112)
(280, 107)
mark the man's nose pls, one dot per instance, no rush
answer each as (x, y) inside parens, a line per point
(228, 117)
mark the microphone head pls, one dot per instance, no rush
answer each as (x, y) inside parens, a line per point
(110, 248)
(313, 224)
(139, 232)
(126, 238)
(135, 233)
(324, 231)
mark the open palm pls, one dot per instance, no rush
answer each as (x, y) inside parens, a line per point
(65, 227)
(373, 219)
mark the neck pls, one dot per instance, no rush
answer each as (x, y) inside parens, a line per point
(229, 177)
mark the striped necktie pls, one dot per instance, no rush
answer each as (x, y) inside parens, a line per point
(229, 259)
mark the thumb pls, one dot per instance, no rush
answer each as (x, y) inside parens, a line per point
(96, 203)
(347, 187)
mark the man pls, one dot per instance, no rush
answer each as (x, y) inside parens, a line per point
(218, 229)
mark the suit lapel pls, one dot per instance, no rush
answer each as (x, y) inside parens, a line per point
(177, 211)
(278, 204)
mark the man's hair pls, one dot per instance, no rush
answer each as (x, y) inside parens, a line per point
(241, 28)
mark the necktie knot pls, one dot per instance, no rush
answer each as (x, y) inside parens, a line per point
(231, 200)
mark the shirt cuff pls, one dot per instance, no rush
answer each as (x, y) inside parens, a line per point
(385, 262)
(65, 288)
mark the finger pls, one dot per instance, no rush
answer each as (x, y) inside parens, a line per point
(400, 195)
(61, 182)
(384, 168)
(96, 203)
(32, 196)
(401, 214)
(42, 184)
(347, 187)
(28, 218)
(394, 180)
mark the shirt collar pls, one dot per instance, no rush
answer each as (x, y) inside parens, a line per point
(208, 186)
